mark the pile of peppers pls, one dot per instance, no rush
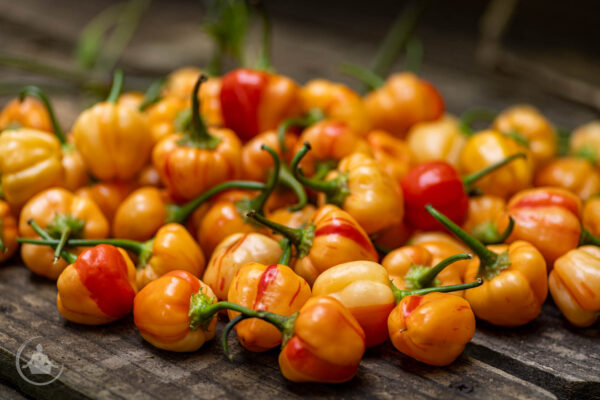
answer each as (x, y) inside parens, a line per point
(308, 217)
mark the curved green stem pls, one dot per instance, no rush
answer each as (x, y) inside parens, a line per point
(286, 178)
(180, 213)
(301, 238)
(68, 256)
(225, 334)
(312, 117)
(117, 86)
(258, 203)
(61, 244)
(400, 294)
(423, 278)
(286, 246)
(472, 178)
(490, 263)
(36, 92)
(475, 114)
(488, 232)
(152, 95)
(367, 77)
(587, 237)
(197, 135)
(336, 190)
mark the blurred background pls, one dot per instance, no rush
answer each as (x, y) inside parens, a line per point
(478, 53)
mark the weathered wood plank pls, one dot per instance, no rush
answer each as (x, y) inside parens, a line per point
(114, 362)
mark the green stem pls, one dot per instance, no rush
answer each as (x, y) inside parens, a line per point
(400, 294)
(414, 56)
(68, 256)
(225, 334)
(336, 190)
(180, 213)
(36, 92)
(264, 60)
(488, 232)
(258, 203)
(61, 244)
(117, 86)
(488, 258)
(300, 238)
(152, 95)
(287, 179)
(367, 77)
(286, 256)
(198, 136)
(472, 178)
(427, 278)
(588, 238)
(475, 114)
(312, 117)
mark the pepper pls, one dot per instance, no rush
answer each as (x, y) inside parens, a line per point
(148, 176)
(575, 285)
(441, 139)
(133, 100)
(180, 82)
(488, 147)
(330, 141)
(29, 163)
(401, 102)
(392, 237)
(546, 217)
(515, 282)
(576, 174)
(61, 215)
(332, 237)
(360, 187)
(114, 140)
(257, 163)
(338, 102)
(253, 101)
(274, 288)
(161, 308)
(439, 183)
(527, 125)
(481, 219)
(107, 195)
(162, 114)
(292, 219)
(25, 113)
(233, 253)
(585, 142)
(392, 154)
(322, 342)
(591, 215)
(8, 232)
(199, 158)
(75, 174)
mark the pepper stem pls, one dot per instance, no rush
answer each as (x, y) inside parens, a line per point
(587, 237)
(62, 227)
(474, 177)
(490, 263)
(287, 179)
(312, 117)
(36, 92)
(117, 86)
(180, 213)
(152, 95)
(488, 232)
(474, 114)
(420, 278)
(336, 190)
(264, 60)
(400, 294)
(367, 77)
(258, 203)
(68, 256)
(225, 335)
(286, 246)
(198, 136)
(301, 238)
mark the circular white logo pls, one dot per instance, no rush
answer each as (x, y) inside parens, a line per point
(38, 364)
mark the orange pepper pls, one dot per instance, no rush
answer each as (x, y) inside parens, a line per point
(62, 215)
(233, 253)
(526, 124)
(131, 100)
(585, 141)
(8, 232)
(107, 195)
(591, 215)
(488, 147)
(180, 82)
(481, 218)
(423, 237)
(575, 285)
(162, 114)
(392, 154)
(332, 237)
(576, 174)
(392, 237)
(161, 308)
(432, 328)
(198, 159)
(515, 282)
(361, 188)
(338, 102)
(256, 162)
(402, 101)
(274, 288)
(292, 219)
(546, 217)
(148, 176)
(25, 113)
(114, 140)
(98, 287)
(436, 140)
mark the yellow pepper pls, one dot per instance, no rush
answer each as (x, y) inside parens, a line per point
(436, 140)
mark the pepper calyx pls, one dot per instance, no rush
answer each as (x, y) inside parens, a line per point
(202, 310)
(490, 271)
(414, 277)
